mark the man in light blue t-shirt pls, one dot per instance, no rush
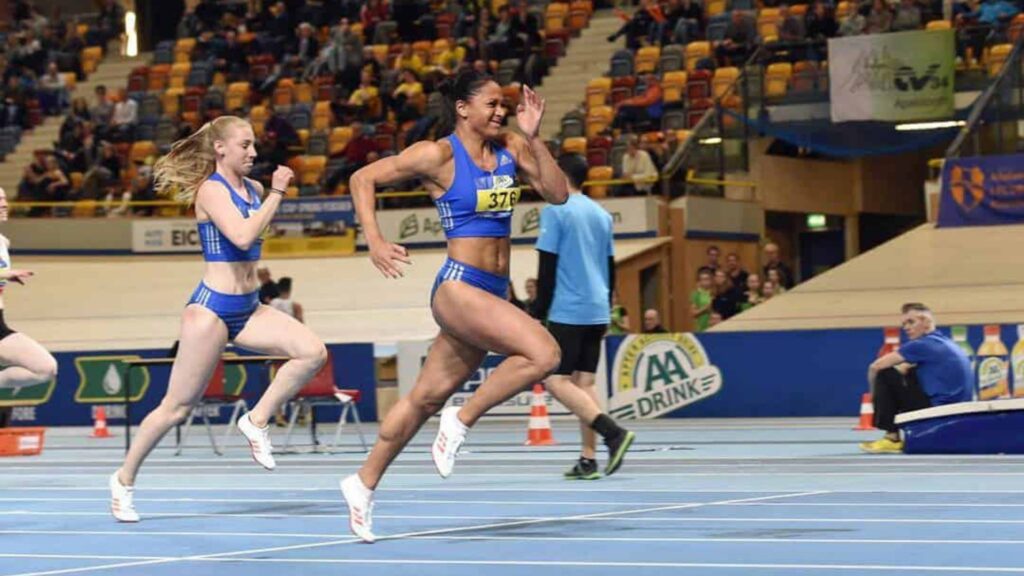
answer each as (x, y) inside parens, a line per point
(928, 370)
(574, 287)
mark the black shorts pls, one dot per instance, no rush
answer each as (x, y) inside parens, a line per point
(580, 344)
(5, 331)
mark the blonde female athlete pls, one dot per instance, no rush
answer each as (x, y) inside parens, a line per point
(209, 168)
(472, 178)
(27, 362)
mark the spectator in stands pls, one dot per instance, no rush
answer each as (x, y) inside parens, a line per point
(775, 277)
(715, 319)
(141, 191)
(466, 23)
(737, 275)
(713, 254)
(102, 111)
(373, 12)
(403, 100)
(879, 19)
(208, 13)
(230, 57)
(30, 187)
(283, 301)
(268, 288)
(80, 110)
(637, 166)
(684, 21)
(768, 290)
(928, 370)
(644, 109)
(277, 22)
(282, 134)
(304, 48)
(908, 17)
(701, 300)
(362, 101)
(54, 185)
(124, 119)
(408, 60)
(752, 296)
(500, 39)
(348, 53)
(109, 24)
(820, 24)
(740, 37)
(772, 260)
(619, 316)
(105, 172)
(12, 109)
(73, 45)
(652, 322)
(53, 94)
(976, 26)
(450, 58)
(531, 293)
(637, 28)
(359, 151)
(525, 30)
(856, 23)
(74, 150)
(725, 301)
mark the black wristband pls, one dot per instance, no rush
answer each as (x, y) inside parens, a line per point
(281, 192)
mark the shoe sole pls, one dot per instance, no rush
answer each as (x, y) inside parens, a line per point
(351, 526)
(593, 476)
(616, 461)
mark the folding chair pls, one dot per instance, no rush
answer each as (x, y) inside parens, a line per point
(321, 390)
(215, 396)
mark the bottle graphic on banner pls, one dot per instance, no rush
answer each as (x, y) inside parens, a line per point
(993, 369)
(960, 339)
(1017, 361)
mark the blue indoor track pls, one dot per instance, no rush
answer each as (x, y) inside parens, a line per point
(710, 497)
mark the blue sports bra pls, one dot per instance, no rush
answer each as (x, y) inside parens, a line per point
(479, 202)
(216, 246)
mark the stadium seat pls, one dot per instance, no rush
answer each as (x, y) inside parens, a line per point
(938, 25)
(776, 79)
(597, 173)
(647, 60)
(723, 81)
(555, 17)
(599, 118)
(179, 74)
(623, 88)
(312, 170)
(598, 92)
(339, 139)
(170, 101)
(673, 85)
(577, 145)
(695, 52)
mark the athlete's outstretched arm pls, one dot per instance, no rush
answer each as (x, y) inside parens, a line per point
(421, 160)
(242, 232)
(532, 155)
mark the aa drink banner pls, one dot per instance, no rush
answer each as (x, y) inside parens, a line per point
(892, 77)
(980, 191)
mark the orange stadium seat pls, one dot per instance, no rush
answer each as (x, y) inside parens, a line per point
(576, 145)
(599, 173)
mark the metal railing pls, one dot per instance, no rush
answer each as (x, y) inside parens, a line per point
(992, 124)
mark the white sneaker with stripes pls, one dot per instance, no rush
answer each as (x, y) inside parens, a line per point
(450, 436)
(360, 507)
(121, 504)
(259, 441)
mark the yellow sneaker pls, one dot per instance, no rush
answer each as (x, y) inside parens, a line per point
(882, 446)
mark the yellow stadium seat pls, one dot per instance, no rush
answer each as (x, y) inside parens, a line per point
(91, 57)
(695, 51)
(338, 139)
(303, 93)
(170, 99)
(70, 80)
(141, 150)
(723, 79)
(555, 17)
(716, 7)
(647, 59)
(843, 10)
(312, 170)
(576, 145)
(84, 209)
(673, 86)
(598, 173)
(322, 117)
(997, 57)
(776, 79)
(179, 74)
(598, 91)
(938, 25)
(599, 118)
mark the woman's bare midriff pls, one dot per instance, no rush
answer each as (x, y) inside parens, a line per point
(488, 254)
(231, 277)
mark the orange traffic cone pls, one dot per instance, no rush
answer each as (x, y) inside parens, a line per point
(99, 426)
(539, 430)
(867, 413)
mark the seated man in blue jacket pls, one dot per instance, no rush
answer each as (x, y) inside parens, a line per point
(928, 370)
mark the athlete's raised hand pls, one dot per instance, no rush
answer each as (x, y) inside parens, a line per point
(529, 112)
(386, 257)
(281, 178)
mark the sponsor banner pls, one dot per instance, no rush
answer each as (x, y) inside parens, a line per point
(892, 77)
(980, 191)
(422, 225)
(411, 356)
(654, 374)
(155, 236)
(310, 246)
(319, 209)
(87, 381)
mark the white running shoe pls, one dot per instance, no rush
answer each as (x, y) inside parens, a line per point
(121, 505)
(259, 441)
(360, 507)
(450, 436)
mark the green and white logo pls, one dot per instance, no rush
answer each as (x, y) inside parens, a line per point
(101, 379)
(655, 374)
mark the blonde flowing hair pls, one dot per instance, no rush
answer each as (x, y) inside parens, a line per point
(192, 160)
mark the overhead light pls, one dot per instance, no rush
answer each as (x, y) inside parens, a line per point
(711, 141)
(930, 125)
(131, 36)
